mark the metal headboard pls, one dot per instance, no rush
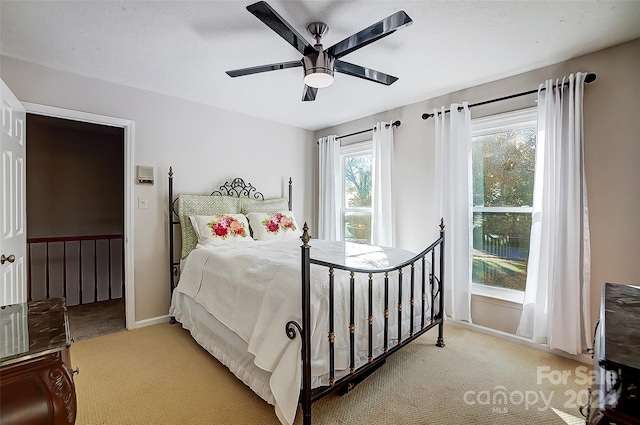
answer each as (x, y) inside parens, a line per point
(236, 187)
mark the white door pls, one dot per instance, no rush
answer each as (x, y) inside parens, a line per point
(13, 240)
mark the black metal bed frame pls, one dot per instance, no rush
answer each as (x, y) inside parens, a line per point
(435, 291)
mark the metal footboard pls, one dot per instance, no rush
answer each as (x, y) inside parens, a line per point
(431, 287)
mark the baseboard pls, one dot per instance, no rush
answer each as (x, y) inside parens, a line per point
(152, 321)
(583, 358)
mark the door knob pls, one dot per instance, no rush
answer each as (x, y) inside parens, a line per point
(11, 258)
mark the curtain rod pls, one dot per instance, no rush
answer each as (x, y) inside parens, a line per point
(590, 78)
(394, 124)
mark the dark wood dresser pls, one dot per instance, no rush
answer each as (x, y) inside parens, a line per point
(36, 380)
(615, 396)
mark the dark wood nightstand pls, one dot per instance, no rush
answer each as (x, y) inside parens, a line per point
(35, 365)
(615, 397)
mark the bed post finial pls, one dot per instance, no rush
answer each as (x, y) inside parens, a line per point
(170, 172)
(306, 237)
(290, 194)
(442, 224)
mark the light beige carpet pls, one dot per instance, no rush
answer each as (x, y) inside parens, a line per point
(159, 375)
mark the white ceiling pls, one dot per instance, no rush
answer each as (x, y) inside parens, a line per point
(183, 48)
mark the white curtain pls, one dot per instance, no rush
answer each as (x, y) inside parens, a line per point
(381, 198)
(329, 202)
(556, 303)
(453, 203)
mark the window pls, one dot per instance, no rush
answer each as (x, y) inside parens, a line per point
(503, 161)
(355, 208)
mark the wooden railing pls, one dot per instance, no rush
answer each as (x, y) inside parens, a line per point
(83, 269)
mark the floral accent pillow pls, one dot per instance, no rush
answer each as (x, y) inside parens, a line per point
(189, 205)
(278, 225)
(221, 229)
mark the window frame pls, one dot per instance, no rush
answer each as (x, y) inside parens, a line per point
(348, 150)
(488, 125)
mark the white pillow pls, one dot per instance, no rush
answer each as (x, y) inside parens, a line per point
(278, 225)
(220, 229)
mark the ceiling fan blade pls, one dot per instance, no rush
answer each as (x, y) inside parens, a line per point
(309, 93)
(270, 17)
(263, 68)
(366, 73)
(385, 27)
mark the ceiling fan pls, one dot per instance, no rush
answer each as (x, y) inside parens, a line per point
(319, 64)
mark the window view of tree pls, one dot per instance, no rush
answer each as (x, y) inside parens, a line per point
(357, 174)
(357, 198)
(503, 169)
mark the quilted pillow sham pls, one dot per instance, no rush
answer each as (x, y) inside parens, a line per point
(247, 205)
(189, 205)
(221, 229)
(278, 225)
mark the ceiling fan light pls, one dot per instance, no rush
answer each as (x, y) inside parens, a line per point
(318, 68)
(319, 79)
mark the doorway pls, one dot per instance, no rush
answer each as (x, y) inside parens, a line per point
(75, 217)
(103, 274)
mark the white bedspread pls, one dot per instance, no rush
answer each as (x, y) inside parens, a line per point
(255, 289)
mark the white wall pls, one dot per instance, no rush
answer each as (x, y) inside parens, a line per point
(205, 145)
(612, 158)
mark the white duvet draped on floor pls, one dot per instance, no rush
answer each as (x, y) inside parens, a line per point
(255, 289)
